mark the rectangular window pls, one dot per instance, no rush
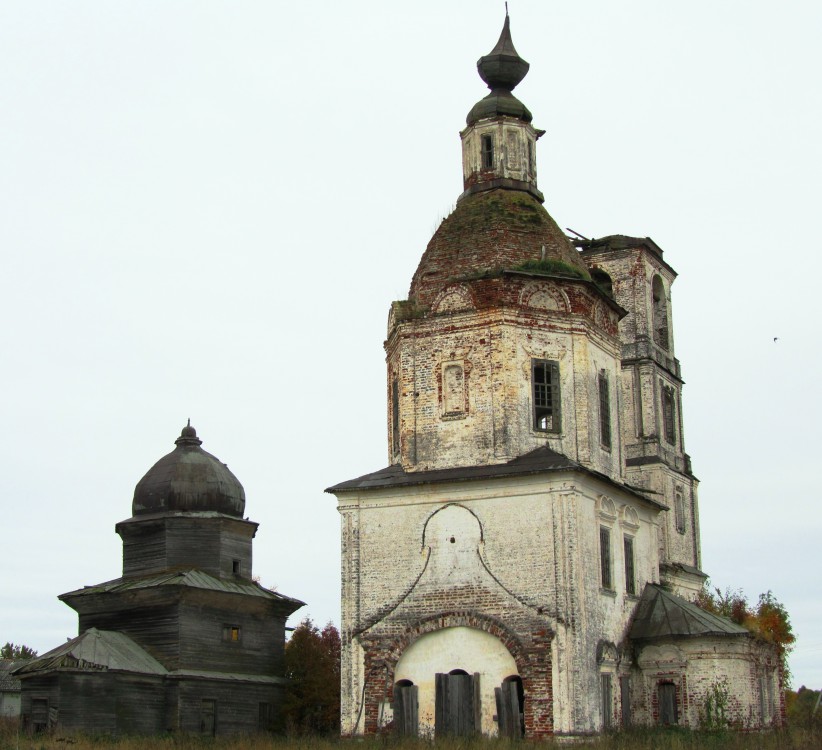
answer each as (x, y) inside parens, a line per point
(235, 567)
(605, 558)
(546, 395)
(607, 700)
(231, 633)
(395, 416)
(679, 510)
(630, 582)
(668, 415)
(604, 411)
(487, 146)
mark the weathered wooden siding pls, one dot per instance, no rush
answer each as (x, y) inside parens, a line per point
(258, 651)
(237, 705)
(206, 543)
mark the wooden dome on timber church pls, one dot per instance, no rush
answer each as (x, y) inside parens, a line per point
(189, 480)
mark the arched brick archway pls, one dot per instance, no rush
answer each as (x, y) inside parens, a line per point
(531, 653)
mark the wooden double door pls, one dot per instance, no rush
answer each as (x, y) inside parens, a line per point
(457, 706)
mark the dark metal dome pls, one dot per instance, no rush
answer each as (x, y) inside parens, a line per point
(189, 480)
(502, 69)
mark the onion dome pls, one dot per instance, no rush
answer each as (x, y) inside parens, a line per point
(189, 480)
(502, 69)
(490, 231)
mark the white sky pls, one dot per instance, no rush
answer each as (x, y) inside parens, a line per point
(206, 209)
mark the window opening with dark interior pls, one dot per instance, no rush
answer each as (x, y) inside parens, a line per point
(605, 558)
(545, 382)
(235, 567)
(660, 314)
(487, 147)
(630, 578)
(603, 281)
(668, 415)
(604, 410)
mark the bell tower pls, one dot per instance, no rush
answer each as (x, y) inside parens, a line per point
(499, 144)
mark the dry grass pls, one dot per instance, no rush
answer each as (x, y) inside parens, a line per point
(793, 739)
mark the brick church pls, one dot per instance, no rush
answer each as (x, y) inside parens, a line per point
(525, 565)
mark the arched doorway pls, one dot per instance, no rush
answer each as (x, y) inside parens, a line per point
(456, 670)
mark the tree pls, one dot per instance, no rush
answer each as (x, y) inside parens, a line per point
(767, 619)
(14, 651)
(312, 663)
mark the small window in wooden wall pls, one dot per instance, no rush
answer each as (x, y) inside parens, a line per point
(231, 633)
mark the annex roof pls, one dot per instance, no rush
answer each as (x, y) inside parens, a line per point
(661, 614)
(95, 651)
(537, 461)
(9, 684)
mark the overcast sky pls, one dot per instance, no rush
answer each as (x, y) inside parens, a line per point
(206, 209)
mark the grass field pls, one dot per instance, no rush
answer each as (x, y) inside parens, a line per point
(791, 739)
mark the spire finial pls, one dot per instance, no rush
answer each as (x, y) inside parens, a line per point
(502, 68)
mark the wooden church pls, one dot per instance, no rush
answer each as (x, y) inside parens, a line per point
(185, 640)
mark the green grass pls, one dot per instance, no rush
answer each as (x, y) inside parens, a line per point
(791, 739)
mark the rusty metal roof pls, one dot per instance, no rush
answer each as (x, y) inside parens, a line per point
(190, 578)
(661, 614)
(537, 461)
(95, 651)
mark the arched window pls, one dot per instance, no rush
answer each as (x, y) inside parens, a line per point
(603, 281)
(660, 314)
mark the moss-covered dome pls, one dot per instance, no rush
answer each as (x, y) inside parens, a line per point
(189, 480)
(487, 231)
